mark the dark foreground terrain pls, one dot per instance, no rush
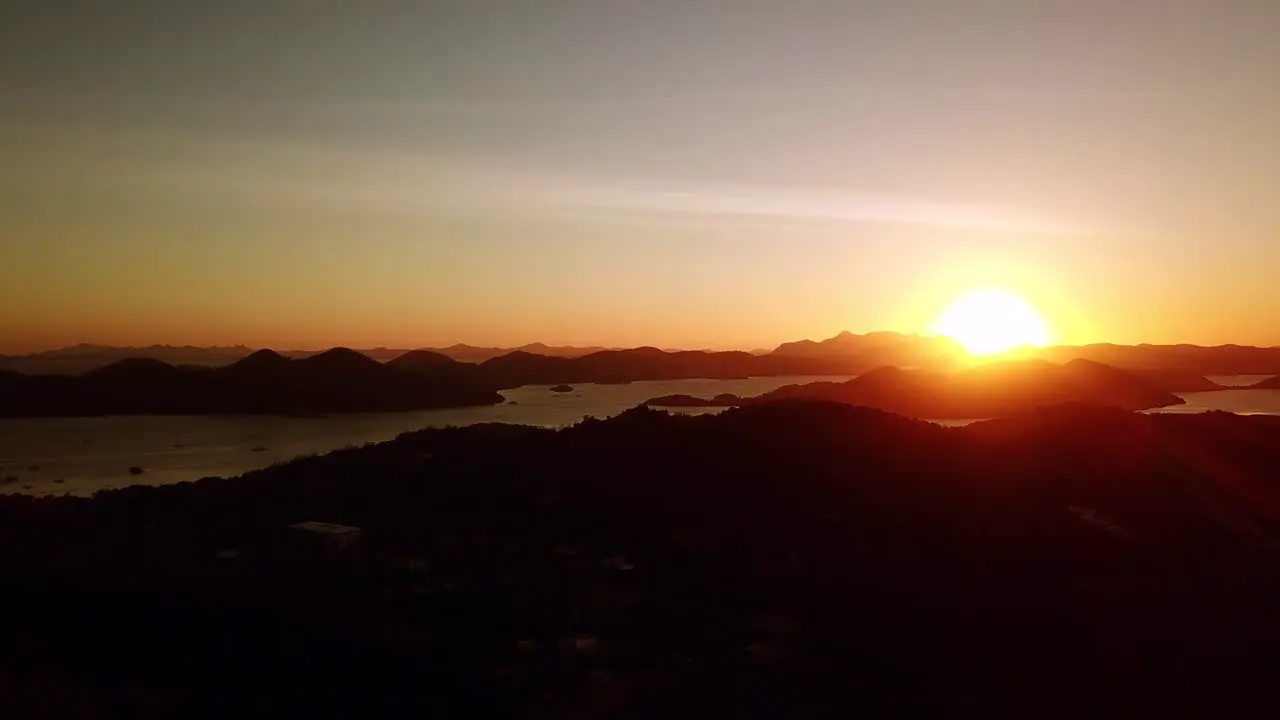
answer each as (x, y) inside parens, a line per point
(791, 559)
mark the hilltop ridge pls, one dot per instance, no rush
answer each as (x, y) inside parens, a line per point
(335, 381)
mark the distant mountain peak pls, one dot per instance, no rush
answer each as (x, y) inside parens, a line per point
(259, 361)
(136, 362)
(264, 355)
(339, 356)
(517, 354)
(422, 358)
(133, 368)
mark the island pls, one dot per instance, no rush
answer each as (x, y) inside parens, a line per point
(265, 382)
(561, 388)
(689, 401)
(983, 391)
(986, 391)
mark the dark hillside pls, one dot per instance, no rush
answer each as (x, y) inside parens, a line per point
(777, 559)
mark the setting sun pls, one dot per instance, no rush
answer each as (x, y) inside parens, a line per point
(991, 321)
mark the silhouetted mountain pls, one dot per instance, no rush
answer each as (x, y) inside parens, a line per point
(845, 354)
(1219, 360)
(261, 363)
(560, 351)
(340, 360)
(267, 381)
(689, 401)
(877, 349)
(645, 363)
(1178, 381)
(334, 381)
(1070, 561)
(135, 369)
(384, 354)
(650, 363)
(83, 358)
(422, 359)
(10, 380)
(473, 354)
(522, 368)
(860, 352)
(985, 391)
(442, 368)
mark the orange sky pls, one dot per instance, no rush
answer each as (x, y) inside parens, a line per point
(674, 174)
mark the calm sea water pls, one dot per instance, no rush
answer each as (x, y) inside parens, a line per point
(80, 456)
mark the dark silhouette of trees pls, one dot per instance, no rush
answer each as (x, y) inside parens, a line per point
(794, 557)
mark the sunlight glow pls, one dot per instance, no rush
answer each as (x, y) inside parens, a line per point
(990, 321)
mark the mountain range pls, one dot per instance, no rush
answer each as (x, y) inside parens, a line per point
(1215, 360)
(889, 348)
(337, 380)
(894, 368)
(343, 380)
(846, 353)
(82, 358)
(473, 354)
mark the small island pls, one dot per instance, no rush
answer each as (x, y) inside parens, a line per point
(562, 389)
(689, 401)
(985, 391)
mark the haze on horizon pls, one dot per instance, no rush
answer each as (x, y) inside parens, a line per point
(681, 174)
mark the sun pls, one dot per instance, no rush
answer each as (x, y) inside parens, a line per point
(990, 321)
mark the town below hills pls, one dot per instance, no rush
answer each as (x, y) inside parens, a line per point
(919, 376)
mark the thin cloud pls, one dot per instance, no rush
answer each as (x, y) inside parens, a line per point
(820, 204)
(381, 182)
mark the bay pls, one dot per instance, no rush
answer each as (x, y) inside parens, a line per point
(79, 456)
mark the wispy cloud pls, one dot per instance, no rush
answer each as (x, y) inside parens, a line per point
(813, 204)
(399, 183)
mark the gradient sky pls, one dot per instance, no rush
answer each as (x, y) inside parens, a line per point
(678, 173)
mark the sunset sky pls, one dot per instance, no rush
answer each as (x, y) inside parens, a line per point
(686, 173)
